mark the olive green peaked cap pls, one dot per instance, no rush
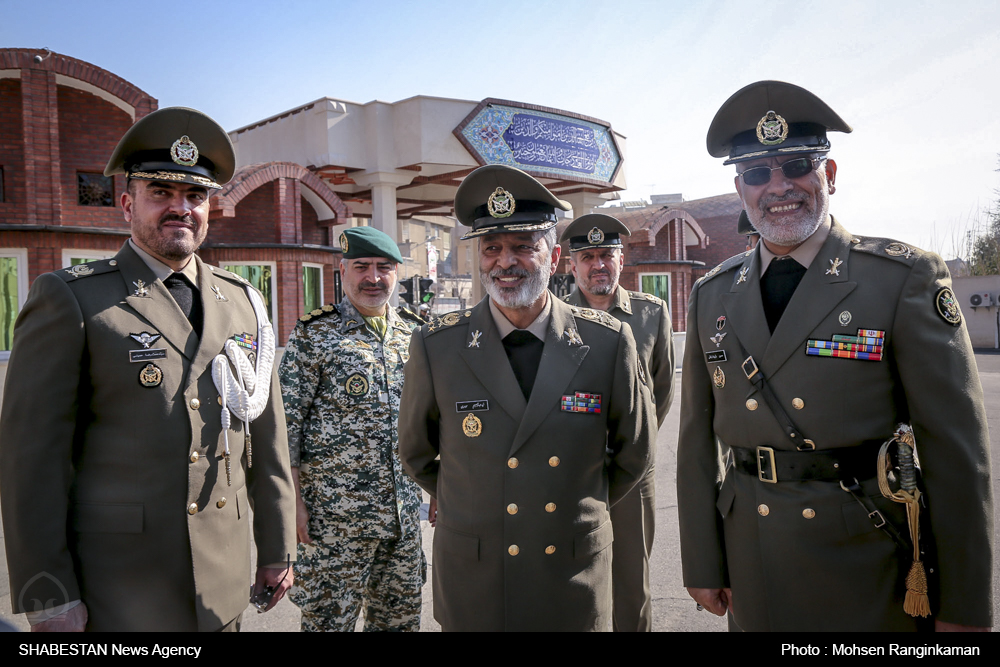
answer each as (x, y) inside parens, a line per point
(175, 144)
(497, 198)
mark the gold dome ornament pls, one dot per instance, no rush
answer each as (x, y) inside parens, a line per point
(184, 152)
(772, 129)
(501, 204)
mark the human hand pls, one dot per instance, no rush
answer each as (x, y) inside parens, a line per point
(302, 522)
(432, 512)
(72, 620)
(277, 578)
(715, 600)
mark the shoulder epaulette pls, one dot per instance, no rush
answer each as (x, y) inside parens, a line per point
(599, 316)
(407, 314)
(317, 313)
(448, 320)
(888, 248)
(732, 262)
(647, 297)
(71, 273)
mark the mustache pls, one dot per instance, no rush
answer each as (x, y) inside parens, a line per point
(173, 217)
(512, 272)
(771, 200)
(599, 272)
(382, 287)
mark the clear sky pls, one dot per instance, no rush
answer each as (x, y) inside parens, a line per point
(917, 80)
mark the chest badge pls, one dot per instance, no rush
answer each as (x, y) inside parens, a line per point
(720, 323)
(471, 426)
(844, 318)
(717, 338)
(146, 339)
(719, 377)
(150, 376)
(356, 385)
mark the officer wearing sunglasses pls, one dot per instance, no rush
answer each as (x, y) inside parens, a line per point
(802, 357)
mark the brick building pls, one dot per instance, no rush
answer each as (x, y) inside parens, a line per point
(60, 119)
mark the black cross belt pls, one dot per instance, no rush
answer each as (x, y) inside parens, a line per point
(823, 465)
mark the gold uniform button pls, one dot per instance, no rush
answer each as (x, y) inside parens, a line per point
(763, 510)
(550, 549)
(193, 508)
(809, 513)
(554, 461)
(195, 456)
(221, 503)
(513, 550)
(512, 463)
(798, 403)
(195, 404)
(551, 507)
(512, 509)
(751, 404)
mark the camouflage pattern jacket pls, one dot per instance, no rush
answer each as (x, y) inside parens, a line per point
(341, 387)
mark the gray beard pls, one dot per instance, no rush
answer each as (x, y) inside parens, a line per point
(794, 232)
(525, 295)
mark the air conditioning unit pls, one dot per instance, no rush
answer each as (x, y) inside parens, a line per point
(981, 299)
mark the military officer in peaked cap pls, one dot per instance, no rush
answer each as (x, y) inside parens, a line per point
(803, 357)
(142, 417)
(596, 256)
(358, 513)
(526, 419)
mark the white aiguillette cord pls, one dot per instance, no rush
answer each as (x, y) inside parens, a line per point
(245, 394)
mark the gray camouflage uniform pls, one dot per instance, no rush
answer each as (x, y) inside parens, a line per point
(341, 387)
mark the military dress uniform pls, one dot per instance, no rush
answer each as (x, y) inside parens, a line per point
(871, 337)
(113, 475)
(341, 387)
(634, 518)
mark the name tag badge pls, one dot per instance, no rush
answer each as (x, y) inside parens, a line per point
(715, 356)
(136, 356)
(472, 406)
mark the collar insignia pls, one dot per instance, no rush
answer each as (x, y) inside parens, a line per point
(475, 338)
(743, 275)
(219, 296)
(834, 269)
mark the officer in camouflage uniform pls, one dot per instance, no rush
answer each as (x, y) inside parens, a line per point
(358, 518)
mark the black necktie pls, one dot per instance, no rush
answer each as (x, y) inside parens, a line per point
(187, 299)
(777, 286)
(525, 353)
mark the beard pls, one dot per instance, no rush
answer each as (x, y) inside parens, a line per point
(522, 296)
(599, 289)
(793, 230)
(171, 243)
(370, 301)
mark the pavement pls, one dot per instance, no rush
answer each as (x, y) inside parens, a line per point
(673, 610)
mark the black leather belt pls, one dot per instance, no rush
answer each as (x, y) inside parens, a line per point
(820, 465)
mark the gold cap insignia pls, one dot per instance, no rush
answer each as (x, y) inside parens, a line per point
(501, 204)
(595, 236)
(772, 129)
(343, 241)
(184, 152)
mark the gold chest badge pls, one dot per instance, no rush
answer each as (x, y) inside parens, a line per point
(471, 426)
(356, 385)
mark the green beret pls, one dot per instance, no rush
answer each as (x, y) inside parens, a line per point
(359, 242)
(175, 144)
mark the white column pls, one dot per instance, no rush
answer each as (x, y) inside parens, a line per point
(383, 185)
(584, 202)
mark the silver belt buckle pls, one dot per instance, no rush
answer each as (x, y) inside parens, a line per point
(769, 453)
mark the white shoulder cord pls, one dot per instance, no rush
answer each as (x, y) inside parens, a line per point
(246, 393)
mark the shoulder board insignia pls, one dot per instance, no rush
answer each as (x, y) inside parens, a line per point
(732, 262)
(648, 297)
(407, 314)
(599, 316)
(317, 313)
(72, 273)
(448, 320)
(889, 248)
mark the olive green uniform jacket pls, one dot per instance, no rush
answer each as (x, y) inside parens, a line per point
(634, 518)
(114, 492)
(803, 555)
(523, 532)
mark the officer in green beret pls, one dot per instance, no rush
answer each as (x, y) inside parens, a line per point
(358, 514)
(526, 419)
(596, 258)
(126, 497)
(804, 356)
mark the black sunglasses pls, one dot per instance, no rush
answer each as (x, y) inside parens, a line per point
(796, 168)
